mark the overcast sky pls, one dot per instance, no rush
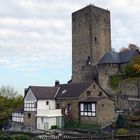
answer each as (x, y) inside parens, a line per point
(35, 37)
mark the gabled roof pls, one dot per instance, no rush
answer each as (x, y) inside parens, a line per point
(112, 57)
(62, 91)
(72, 90)
(41, 92)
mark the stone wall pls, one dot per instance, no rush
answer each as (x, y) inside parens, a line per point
(74, 106)
(129, 94)
(104, 71)
(30, 122)
(105, 113)
(105, 110)
(91, 39)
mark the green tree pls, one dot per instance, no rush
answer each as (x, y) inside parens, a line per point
(9, 99)
(133, 69)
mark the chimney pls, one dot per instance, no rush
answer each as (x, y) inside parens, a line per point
(57, 83)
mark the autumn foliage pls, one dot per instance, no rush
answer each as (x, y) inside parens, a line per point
(133, 69)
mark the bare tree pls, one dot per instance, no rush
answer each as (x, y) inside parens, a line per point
(130, 47)
(8, 92)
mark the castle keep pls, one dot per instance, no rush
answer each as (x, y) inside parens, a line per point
(91, 39)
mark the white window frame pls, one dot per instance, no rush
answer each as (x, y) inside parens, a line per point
(88, 109)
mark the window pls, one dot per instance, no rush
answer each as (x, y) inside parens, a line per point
(100, 93)
(68, 107)
(88, 93)
(42, 119)
(94, 87)
(57, 106)
(29, 115)
(88, 61)
(95, 38)
(47, 103)
(87, 109)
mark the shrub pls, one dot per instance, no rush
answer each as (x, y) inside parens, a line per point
(114, 82)
(120, 121)
(122, 131)
(53, 127)
(21, 137)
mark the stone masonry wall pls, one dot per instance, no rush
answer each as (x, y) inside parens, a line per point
(30, 122)
(103, 75)
(91, 38)
(129, 96)
(104, 108)
(105, 113)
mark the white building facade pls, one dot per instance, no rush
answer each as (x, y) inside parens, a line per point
(40, 108)
(48, 116)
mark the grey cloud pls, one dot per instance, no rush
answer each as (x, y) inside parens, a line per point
(39, 32)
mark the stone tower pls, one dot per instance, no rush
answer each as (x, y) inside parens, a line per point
(91, 39)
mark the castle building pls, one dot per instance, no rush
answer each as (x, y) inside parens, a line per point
(86, 98)
(112, 63)
(91, 39)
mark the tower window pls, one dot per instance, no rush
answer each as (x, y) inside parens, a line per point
(88, 61)
(95, 38)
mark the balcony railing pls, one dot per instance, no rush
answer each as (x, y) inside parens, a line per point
(49, 113)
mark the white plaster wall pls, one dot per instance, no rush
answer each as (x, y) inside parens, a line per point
(52, 121)
(41, 104)
(49, 113)
(46, 121)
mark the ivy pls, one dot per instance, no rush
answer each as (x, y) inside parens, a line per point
(114, 81)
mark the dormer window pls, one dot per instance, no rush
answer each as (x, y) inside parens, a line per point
(64, 91)
(47, 103)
